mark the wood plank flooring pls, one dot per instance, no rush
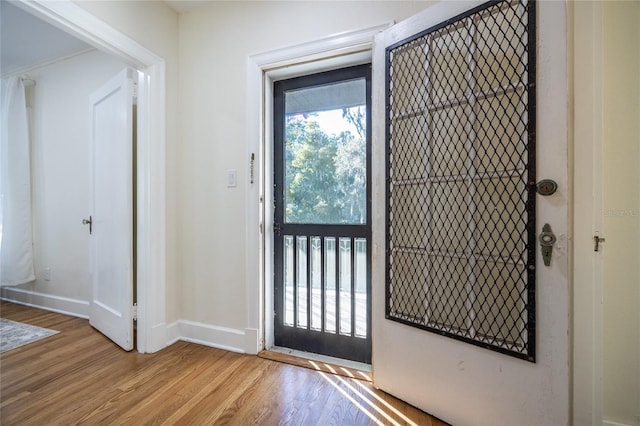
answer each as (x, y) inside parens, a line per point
(79, 376)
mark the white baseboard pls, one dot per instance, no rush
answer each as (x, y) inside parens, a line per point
(157, 339)
(59, 304)
(241, 341)
(251, 341)
(225, 338)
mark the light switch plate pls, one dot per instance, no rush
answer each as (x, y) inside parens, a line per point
(232, 178)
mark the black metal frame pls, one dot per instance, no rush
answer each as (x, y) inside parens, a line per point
(529, 350)
(307, 339)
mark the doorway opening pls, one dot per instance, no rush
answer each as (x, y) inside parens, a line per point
(322, 266)
(337, 51)
(150, 173)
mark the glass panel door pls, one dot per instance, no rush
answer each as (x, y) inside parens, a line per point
(322, 213)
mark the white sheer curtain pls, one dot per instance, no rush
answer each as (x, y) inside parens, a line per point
(16, 246)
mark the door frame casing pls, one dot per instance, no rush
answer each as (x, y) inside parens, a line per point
(333, 52)
(150, 166)
(587, 133)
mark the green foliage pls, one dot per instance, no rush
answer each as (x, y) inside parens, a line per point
(325, 174)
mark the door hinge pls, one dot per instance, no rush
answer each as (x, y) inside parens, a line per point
(135, 93)
(134, 311)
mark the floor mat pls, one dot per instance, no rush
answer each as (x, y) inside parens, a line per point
(15, 334)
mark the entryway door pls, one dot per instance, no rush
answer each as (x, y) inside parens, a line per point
(322, 249)
(471, 256)
(111, 214)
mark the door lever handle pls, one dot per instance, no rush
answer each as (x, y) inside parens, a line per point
(88, 222)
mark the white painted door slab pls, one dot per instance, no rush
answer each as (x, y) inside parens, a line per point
(455, 379)
(110, 309)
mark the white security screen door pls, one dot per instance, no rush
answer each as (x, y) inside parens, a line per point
(470, 322)
(110, 309)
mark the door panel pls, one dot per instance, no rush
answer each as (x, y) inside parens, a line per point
(110, 309)
(322, 214)
(446, 194)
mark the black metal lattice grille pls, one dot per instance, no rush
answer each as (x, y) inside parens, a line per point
(460, 162)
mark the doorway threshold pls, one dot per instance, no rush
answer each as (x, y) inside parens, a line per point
(322, 363)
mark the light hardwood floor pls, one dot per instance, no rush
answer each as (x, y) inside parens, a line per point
(79, 376)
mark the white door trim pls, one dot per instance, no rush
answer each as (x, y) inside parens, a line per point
(335, 51)
(587, 58)
(151, 232)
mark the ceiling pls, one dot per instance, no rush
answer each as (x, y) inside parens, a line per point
(184, 5)
(26, 41)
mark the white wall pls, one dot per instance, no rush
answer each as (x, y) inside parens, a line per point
(621, 209)
(215, 41)
(60, 153)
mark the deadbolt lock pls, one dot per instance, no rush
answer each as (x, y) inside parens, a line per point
(546, 187)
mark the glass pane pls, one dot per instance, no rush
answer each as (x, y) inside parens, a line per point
(302, 281)
(447, 293)
(288, 280)
(460, 239)
(361, 287)
(501, 55)
(408, 299)
(330, 284)
(325, 154)
(345, 286)
(316, 283)
(448, 67)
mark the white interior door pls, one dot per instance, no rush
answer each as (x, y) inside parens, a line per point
(455, 379)
(110, 309)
